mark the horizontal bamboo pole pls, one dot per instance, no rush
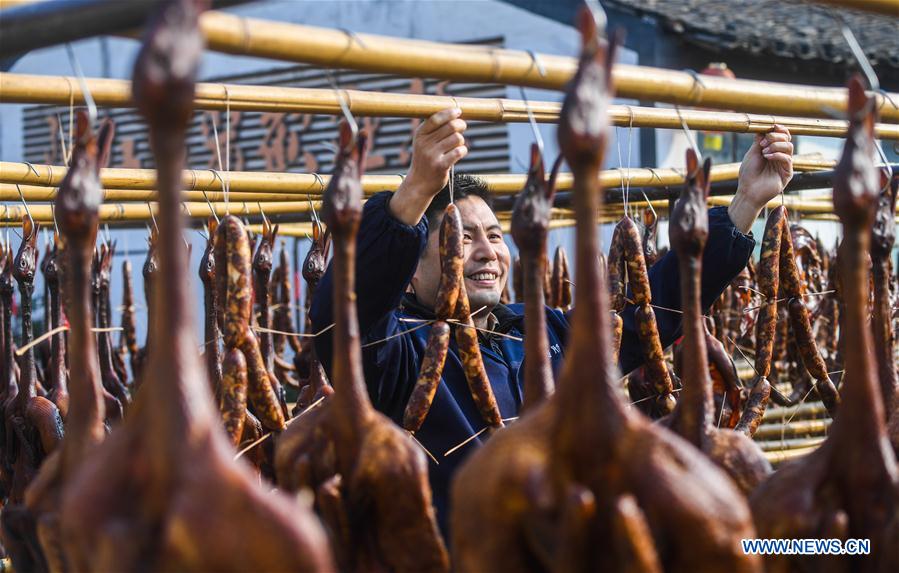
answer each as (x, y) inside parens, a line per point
(419, 58)
(301, 230)
(38, 193)
(332, 48)
(62, 90)
(773, 432)
(302, 185)
(59, 90)
(886, 7)
(144, 212)
(777, 457)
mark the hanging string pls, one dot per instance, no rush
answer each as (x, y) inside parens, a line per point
(452, 176)
(630, 131)
(218, 153)
(227, 146)
(620, 165)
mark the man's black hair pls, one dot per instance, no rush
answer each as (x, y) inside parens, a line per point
(464, 185)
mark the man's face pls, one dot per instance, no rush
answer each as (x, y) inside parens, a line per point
(487, 257)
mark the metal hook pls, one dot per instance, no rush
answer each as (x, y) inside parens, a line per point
(315, 220)
(152, 216)
(320, 181)
(53, 214)
(218, 153)
(265, 221)
(651, 208)
(697, 81)
(354, 37)
(25, 204)
(537, 63)
(347, 114)
(886, 98)
(689, 135)
(886, 167)
(538, 137)
(33, 169)
(62, 140)
(85, 92)
(211, 208)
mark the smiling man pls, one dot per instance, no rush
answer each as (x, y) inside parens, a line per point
(398, 272)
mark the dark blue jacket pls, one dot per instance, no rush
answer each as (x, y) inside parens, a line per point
(387, 256)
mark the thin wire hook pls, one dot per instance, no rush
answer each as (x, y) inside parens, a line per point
(85, 91)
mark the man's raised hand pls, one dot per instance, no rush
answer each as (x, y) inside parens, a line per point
(764, 173)
(437, 145)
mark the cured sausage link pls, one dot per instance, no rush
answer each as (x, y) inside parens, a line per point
(811, 358)
(768, 273)
(233, 394)
(473, 363)
(429, 377)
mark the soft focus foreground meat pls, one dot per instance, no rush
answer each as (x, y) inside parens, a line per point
(163, 493)
(694, 417)
(497, 516)
(849, 486)
(77, 211)
(610, 492)
(369, 477)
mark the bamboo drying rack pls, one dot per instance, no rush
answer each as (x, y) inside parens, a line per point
(231, 34)
(65, 90)
(419, 58)
(132, 190)
(301, 185)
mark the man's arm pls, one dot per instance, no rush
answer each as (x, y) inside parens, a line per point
(393, 233)
(766, 169)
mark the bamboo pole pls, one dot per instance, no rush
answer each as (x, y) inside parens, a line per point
(419, 58)
(144, 212)
(302, 185)
(301, 230)
(62, 90)
(886, 7)
(331, 48)
(39, 193)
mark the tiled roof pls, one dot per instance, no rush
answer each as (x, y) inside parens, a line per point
(792, 30)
